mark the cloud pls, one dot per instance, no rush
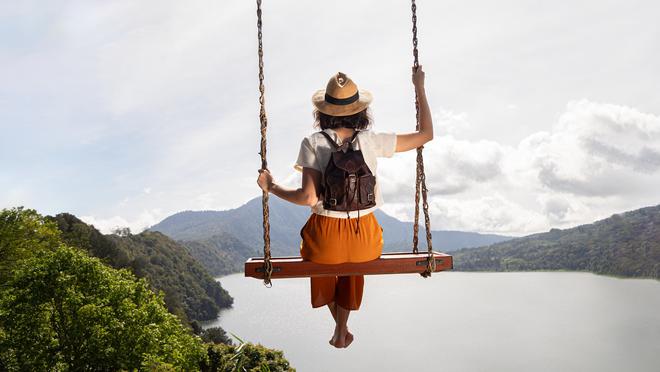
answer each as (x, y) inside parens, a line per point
(597, 160)
(143, 221)
(593, 147)
(452, 166)
(492, 213)
(555, 208)
(646, 160)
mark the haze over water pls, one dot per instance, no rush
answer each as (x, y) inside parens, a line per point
(458, 321)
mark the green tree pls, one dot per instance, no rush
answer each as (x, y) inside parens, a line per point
(245, 357)
(215, 335)
(23, 234)
(65, 310)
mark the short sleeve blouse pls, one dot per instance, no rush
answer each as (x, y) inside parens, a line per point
(315, 152)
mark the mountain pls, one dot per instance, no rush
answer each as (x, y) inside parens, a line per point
(220, 254)
(190, 291)
(244, 223)
(398, 236)
(626, 244)
(212, 237)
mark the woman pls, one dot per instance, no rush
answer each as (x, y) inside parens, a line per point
(332, 236)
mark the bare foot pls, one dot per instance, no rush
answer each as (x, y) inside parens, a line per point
(348, 339)
(333, 339)
(339, 338)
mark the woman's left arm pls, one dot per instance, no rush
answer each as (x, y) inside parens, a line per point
(307, 194)
(409, 141)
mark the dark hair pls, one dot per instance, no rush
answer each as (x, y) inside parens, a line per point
(359, 121)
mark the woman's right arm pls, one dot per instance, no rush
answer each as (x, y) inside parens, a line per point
(409, 141)
(307, 194)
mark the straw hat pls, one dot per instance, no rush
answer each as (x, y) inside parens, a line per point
(341, 97)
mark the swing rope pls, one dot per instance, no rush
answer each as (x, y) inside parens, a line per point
(420, 183)
(268, 266)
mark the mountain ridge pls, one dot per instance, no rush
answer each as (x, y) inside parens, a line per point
(625, 244)
(199, 232)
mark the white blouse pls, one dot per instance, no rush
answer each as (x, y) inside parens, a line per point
(315, 152)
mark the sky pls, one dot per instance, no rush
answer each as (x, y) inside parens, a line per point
(547, 114)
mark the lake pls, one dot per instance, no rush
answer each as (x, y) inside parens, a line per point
(460, 321)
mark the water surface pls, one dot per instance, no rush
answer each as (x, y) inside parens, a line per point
(458, 321)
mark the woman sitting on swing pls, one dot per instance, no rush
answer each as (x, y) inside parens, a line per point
(333, 234)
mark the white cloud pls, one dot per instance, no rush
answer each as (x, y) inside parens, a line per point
(451, 166)
(492, 213)
(597, 160)
(594, 147)
(143, 221)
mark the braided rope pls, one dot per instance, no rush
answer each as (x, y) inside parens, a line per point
(268, 266)
(420, 179)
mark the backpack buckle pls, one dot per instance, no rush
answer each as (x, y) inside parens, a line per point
(332, 202)
(370, 197)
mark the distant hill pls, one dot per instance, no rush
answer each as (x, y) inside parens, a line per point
(212, 237)
(220, 254)
(626, 244)
(190, 291)
(398, 236)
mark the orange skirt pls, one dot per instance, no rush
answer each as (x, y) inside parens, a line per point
(330, 240)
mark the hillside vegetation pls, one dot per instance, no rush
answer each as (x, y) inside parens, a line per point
(64, 310)
(626, 244)
(190, 291)
(220, 254)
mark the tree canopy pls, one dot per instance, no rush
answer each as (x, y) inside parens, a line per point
(62, 310)
(190, 291)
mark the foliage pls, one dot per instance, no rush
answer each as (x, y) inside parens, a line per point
(23, 233)
(64, 310)
(190, 292)
(80, 235)
(215, 335)
(624, 245)
(220, 254)
(244, 357)
(171, 269)
(122, 231)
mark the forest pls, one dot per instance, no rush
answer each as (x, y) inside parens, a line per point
(63, 309)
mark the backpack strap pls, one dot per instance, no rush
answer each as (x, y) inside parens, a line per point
(334, 144)
(326, 135)
(355, 133)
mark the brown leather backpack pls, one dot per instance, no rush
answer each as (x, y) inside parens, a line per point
(348, 184)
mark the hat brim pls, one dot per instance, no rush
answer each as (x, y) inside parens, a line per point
(318, 99)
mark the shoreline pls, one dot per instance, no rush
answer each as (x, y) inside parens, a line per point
(217, 278)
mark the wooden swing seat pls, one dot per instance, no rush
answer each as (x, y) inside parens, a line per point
(388, 263)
